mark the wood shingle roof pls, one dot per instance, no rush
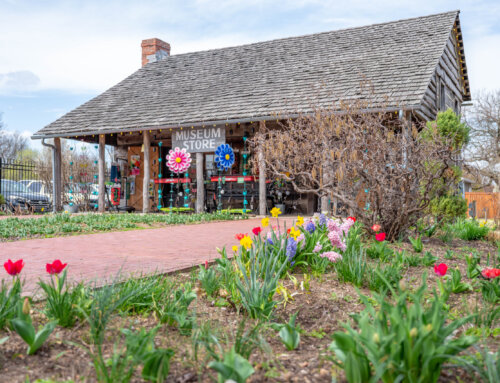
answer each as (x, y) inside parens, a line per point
(280, 76)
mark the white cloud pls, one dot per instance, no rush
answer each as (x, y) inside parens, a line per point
(18, 82)
(90, 46)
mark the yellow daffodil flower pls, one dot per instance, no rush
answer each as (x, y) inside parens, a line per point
(246, 242)
(235, 248)
(300, 220)
(294, 233)
(275, 212)
(265, 222)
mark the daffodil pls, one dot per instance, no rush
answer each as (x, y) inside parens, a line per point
(265, 222)
(275, 211)
(300, 220)
(294, 233)
(235, 248)
(246, 242)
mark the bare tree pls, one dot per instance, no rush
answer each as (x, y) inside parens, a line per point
(11, 143)
(382, 168)
(483, 151)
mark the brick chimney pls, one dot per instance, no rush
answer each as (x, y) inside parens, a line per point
(154, 50)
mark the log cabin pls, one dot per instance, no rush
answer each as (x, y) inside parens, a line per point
(415, 67)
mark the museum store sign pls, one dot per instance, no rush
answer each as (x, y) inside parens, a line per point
(200, 139)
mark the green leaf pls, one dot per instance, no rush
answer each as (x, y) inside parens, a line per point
(41, 337)
(157, 365)
(24, 329)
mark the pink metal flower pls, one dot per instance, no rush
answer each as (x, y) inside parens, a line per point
(178, 160)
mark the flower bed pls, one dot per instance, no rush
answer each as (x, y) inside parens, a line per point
(282, 309)
(67, 224)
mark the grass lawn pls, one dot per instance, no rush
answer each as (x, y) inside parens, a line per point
(14, 229)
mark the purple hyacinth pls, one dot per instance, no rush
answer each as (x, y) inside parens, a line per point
(291, 248)
(310, 227)
(322, 220)
(270, 241)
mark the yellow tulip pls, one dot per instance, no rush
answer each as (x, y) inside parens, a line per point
(235, 248)
(294, 233)
(275, 212)
(265, 222)
(246, 242)
(300, 220)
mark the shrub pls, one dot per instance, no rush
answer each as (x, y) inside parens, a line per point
(2, 200)
(448, 208)
(403, 340)
(469, 230)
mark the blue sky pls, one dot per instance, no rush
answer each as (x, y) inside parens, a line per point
(55, 55)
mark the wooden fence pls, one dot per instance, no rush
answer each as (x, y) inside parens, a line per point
(483, 205)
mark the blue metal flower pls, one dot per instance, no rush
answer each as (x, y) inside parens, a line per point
(224, 157)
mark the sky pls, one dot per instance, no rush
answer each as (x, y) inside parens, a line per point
(55, 55)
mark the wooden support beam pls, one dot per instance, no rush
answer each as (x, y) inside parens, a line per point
(57, 182)
(200, 185)
(102, 174)
(262, 176)
(147, 172)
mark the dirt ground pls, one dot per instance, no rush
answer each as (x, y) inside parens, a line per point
(322, 310)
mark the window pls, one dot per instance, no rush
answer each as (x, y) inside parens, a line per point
(442, 97)
(457, 107)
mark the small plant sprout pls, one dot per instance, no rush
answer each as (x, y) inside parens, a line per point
(23, 326)
(289, 333)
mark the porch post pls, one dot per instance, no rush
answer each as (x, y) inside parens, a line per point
(262, 176)
(200, 184)
(147, 172)
(58, 174)
(102, 164)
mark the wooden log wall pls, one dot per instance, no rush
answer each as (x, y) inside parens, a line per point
(449, 73)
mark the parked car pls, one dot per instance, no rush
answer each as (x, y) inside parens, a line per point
(85, 196)
(37, 186)
(17, 196)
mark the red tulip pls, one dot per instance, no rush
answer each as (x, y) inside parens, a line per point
(256, 230)
(239, 236)
(13, 268)
(376, 228)
(380, 237)
(55, 267)
(441, 269)
(491, 273)
(352, 218)
(206, 265)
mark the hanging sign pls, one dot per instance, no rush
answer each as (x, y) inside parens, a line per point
(199, 140)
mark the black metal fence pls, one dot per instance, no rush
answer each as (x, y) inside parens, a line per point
(23, 188)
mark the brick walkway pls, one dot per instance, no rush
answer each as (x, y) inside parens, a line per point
(99, 257)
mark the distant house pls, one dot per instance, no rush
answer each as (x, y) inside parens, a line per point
(416, 67)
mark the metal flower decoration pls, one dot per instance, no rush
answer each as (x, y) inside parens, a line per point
(178, 160)
(224, 157)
